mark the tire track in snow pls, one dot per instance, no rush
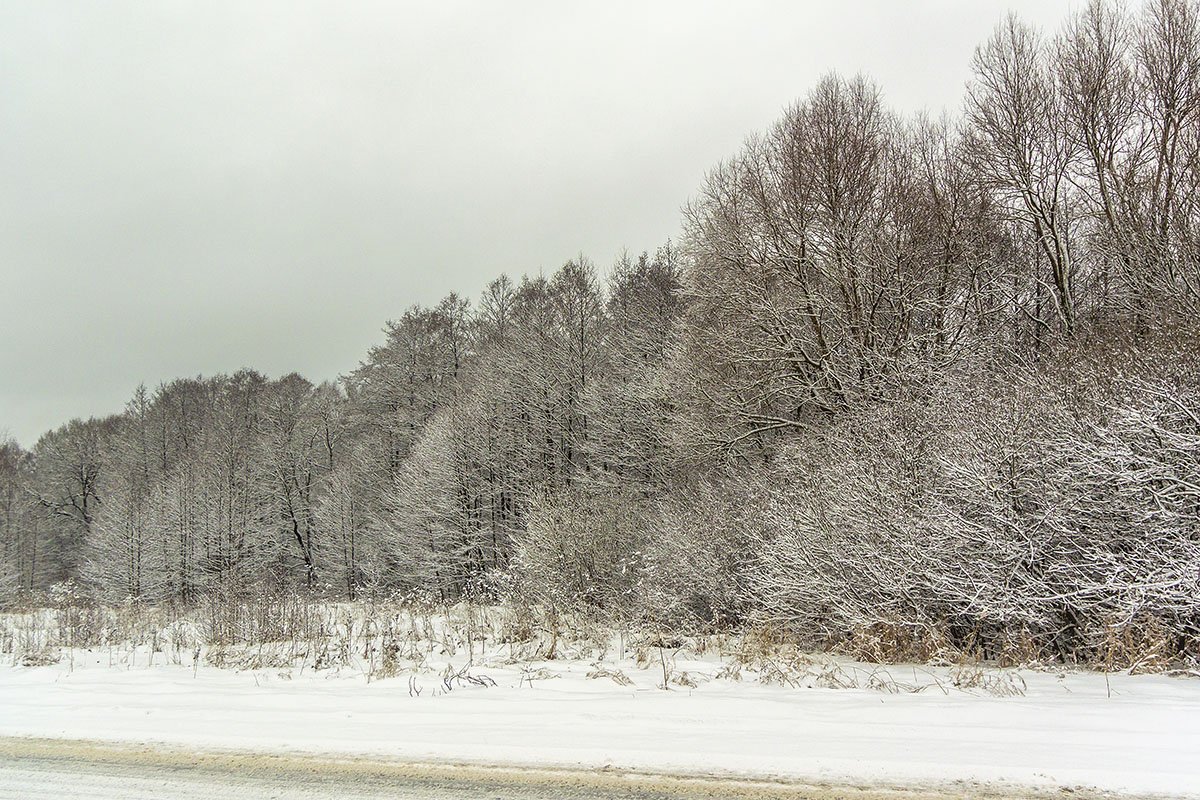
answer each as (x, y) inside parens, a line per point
(32, 769)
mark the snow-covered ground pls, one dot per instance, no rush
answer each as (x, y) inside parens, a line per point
(1131, 734)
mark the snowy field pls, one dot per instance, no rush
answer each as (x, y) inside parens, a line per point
(813, 719)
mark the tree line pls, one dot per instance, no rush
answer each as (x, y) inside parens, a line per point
(905, 384)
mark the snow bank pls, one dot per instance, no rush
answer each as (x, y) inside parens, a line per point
(1132, 734)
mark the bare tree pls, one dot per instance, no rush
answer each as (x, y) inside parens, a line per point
(1022, 152)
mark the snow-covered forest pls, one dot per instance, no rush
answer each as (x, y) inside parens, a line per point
(901, 386)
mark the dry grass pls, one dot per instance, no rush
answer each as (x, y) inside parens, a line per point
(390, 638)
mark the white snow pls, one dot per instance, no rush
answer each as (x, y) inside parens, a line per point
(1132, 734)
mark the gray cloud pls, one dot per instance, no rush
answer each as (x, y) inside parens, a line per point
(193, 187)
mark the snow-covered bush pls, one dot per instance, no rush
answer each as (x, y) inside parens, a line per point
(581, 550)
(1053, 517)
(702, 552)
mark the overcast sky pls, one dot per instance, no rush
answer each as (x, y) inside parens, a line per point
(190, 188)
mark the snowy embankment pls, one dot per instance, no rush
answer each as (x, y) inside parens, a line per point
(901, 726)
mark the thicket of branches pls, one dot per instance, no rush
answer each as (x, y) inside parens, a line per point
(907, 386)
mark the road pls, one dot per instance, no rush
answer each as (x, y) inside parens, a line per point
(39, 768)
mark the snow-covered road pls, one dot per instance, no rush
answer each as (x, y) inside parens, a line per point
(1065, 732)
(32, 769)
